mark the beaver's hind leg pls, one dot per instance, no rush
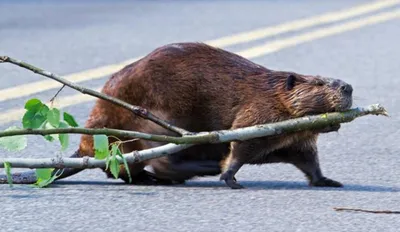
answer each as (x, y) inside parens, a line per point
(179, 171)
(107, 115)
(139, 176)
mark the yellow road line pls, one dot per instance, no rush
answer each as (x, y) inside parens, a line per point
(39, 86)
(302, 23)
(16, 114)
(90, 74)
(317, 34)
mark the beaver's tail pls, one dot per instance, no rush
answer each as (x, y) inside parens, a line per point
(29, 177)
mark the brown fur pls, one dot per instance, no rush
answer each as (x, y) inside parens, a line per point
(201, 88)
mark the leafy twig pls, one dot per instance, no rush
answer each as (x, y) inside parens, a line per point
(289, 126)
(366, 210)
(135, 109)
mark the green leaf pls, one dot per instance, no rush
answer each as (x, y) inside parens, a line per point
(49, 138)
(40, 183)
(44, 173)
(13, 143)
(33, 119)
(125, 165)
(114, 167)
(64, 138)
(114, 149)
(100, 146)
(52, 137)
(70, 120)
(107, 162)
(114, 164)
(44, 109)
(53, 116)
(35, 115)
(33, 104)
(7, 166)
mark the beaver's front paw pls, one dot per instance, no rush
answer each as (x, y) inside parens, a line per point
(326, 182)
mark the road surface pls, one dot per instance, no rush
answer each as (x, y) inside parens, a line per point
(358, 41)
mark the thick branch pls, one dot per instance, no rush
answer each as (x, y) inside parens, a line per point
(289, 126)
(297, 124)
(315, 122)
(135, 109)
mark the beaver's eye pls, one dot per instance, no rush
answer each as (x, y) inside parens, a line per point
(319, 83)
(290, 82)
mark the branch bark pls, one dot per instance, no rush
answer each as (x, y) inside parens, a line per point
(81, 163)
(106, 131)
(315, 122)
(135, 109)
(89, 162)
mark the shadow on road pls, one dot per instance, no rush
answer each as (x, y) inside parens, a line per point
(294, 185)
(250, 185)
(90, 182)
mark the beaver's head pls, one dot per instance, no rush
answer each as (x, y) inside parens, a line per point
(306, 95)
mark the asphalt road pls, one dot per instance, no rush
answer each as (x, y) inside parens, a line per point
(67, 37)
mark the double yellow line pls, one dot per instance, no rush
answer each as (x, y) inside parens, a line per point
(253, 52)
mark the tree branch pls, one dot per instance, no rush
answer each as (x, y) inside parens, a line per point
(315, 122)
(292, 125)
(82, 163)
(144, 113)
(106, 131)
(89, 162)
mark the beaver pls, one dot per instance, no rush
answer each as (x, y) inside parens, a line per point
(203, 88)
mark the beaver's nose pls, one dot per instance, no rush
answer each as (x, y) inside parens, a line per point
(346, 89)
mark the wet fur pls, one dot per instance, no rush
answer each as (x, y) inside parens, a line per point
(202, 88)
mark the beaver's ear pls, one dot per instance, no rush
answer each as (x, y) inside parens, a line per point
(290, 82)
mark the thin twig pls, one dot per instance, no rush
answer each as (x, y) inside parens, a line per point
(95, 131)
(54, 97)
(366, 210)
(144, 113)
